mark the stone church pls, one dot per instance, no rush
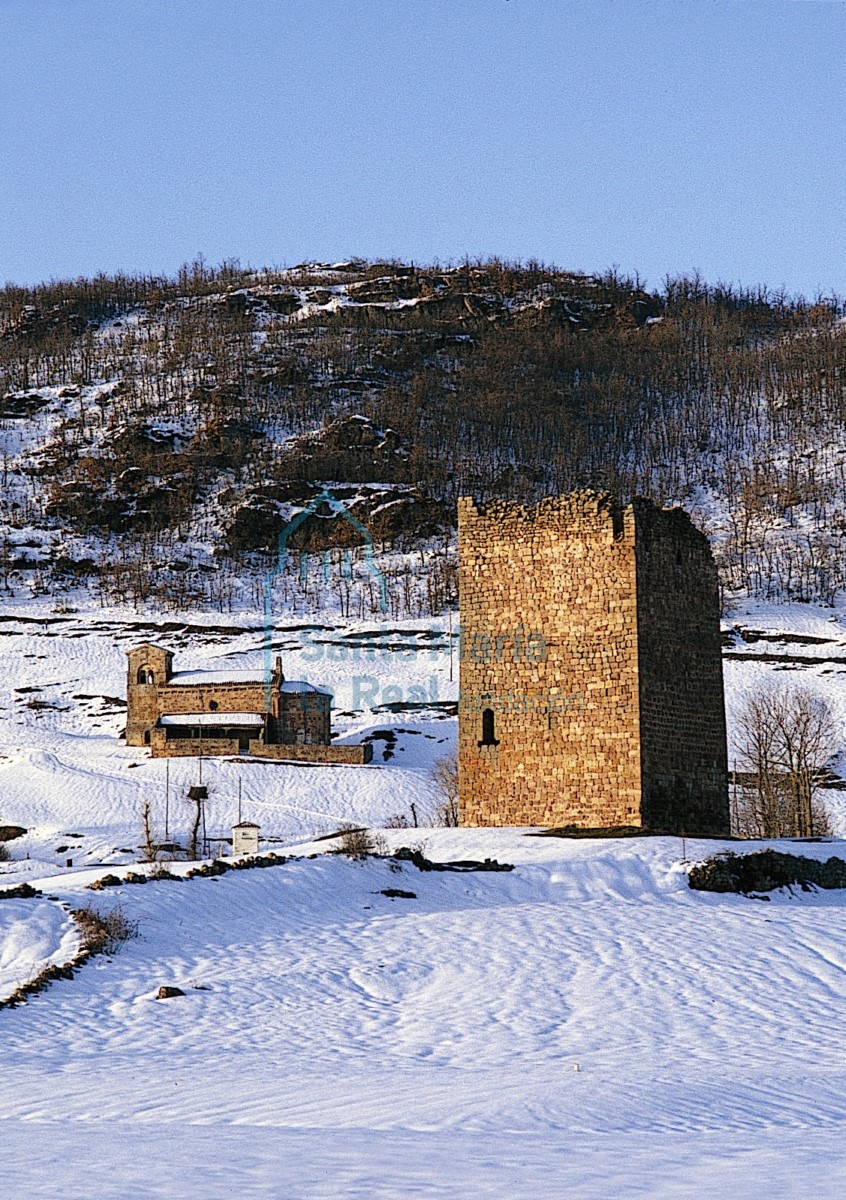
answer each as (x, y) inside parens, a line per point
(591, 670)
(228, 712)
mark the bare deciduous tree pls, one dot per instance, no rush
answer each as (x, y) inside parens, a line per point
(785, 737)
(445, 779)
(591, 381)
(197, 795)
(149, 848)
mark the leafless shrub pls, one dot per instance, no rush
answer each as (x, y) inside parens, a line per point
(160, 868)
(103, 933)
(361, 843)
(5, 856)
(404, 820)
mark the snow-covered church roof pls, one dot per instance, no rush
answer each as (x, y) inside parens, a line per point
(193, 678)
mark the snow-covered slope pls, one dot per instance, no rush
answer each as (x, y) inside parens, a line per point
(34, 934)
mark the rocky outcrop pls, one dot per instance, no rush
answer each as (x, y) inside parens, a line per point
(389, 514)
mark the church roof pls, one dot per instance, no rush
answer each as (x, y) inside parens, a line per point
(192, 678)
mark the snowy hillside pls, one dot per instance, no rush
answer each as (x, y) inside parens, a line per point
(157, 435)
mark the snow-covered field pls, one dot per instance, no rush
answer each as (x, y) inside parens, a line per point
(583, 1026)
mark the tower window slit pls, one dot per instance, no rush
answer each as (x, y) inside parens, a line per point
(488, 728)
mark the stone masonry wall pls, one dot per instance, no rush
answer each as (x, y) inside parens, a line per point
(549, 643)
(147, 702)
(298, 727)
(592, 638)
(160, 747)
(142, 712)
(356, 755)
(304, 716)
(192, 747)
(196, 698)
(683, 728)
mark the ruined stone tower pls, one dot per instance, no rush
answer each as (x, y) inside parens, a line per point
(591, 672)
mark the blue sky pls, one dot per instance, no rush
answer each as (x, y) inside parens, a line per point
(658, 136)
